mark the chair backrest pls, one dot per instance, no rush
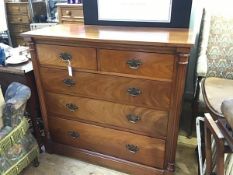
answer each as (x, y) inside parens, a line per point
(220, 47)
(16, 97)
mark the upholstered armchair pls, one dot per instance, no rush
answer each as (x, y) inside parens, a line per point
(215, 62)
(16, 97)
(215, 67)
(18, 148)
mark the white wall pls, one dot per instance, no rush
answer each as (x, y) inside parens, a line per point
(3, 21)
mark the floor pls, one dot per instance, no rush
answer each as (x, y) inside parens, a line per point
(51, 164)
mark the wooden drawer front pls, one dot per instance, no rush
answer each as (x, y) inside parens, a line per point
(20, 19)
(145, 93)
(150, 122)
(71, 13)
(128, 146)
(19, 41)
(17, 8)
(16, 30)
(84, 58)
(137, 63)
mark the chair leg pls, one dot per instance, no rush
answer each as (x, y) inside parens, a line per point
(208, 150)
(36, 162)
(220, 157)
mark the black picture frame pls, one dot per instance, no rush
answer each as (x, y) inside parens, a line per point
(180, 16)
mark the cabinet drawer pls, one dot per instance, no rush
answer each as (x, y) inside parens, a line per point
(149, 122)
(145, 93)
(16, 29)
(84, 58)
(71, 13)
(128, 146)
(18, 19)
(137, 63)
(15, 8)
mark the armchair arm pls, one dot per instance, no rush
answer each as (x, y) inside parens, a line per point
(202, 66)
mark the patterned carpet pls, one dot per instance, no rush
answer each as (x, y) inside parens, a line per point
(51, 164)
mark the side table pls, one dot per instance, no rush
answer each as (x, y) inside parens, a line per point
(23, 73)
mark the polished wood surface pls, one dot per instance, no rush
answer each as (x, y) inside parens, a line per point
(147, 64)
(124, 35)
(110, 114)
(107, 141)
(98, 100)
(154, 94)
(81, 57)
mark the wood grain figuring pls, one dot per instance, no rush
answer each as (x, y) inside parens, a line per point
(108, 141)
(143, 36)
(105, 160)
(22, 19)
(17, 8)
(84, 58)
(18, 28)
(151, 64)
(154, 94)
(152, 123)
(176, 101)
(85, 115)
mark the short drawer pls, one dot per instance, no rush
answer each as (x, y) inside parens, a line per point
(132, 91)
(54, 55)
(137, 63)
(128, 146)
(17, 8)
(145, 121)
(72, 13)
(18, 19)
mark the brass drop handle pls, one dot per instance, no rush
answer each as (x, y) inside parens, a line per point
(134, 64)
(68, 12)
(134, 92)
(132, 148)
(73, 134)
(69, 82)
(133, 118)
(71, 107)
(65, 56)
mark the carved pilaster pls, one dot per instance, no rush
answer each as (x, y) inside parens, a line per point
(174, 116)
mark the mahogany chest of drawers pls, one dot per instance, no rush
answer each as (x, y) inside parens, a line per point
(120, 107)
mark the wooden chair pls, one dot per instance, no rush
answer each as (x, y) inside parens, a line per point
(222, 133)
(215, 65)
(215, 75)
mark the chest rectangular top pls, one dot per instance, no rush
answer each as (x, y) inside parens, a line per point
(123, 35)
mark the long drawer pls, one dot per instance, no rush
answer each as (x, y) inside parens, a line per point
(138, 92)
(128, 146)
(149, 122)
(18, 19)
(137, 63)
(17, 8)
(80, 57)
